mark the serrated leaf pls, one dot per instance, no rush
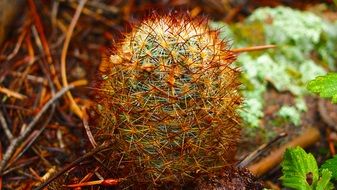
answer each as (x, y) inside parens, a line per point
(324, 181)
(326, 86)
(331, 165)
(297, 165)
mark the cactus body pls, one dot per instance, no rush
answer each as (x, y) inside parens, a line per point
(168, 99)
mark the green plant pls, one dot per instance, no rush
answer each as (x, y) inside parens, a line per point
(331, 165)
(297, 165)
(325, 85)
(167, 98)
(300, 171)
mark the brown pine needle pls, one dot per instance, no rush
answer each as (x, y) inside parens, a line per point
(72, 164)
(73, 105)
(39, 27)
(260, 150)
(44, 42)
(309, 137)
(87, 128)
(107, 182)
(16, 141)
(254, 48)
(5, 127)
(11, 93)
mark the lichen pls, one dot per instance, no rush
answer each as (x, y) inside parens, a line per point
(298, 36)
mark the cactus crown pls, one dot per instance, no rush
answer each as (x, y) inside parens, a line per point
(168, 98)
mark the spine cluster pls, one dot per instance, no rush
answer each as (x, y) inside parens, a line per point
(167, 97)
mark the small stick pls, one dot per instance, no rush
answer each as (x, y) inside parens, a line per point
(104, 182)
(45, 46)
(309, 137)
(72, 164)
(254, 48)
(21, 165)
(93, 14)
(11, 93)
(17, 46)
(259, 151)
(30, 77)
(27, 143)
(49, 173)
(15, 142)
(5, 127)
(87, 129)
(330, 142)
(54, 11)
(111, 9)
(40, 30)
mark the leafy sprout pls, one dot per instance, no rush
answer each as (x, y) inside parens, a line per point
(300, 171)
(325, 86)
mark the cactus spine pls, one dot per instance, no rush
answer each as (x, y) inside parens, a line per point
(167, 97)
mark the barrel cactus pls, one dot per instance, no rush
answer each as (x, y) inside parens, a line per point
(167, 97)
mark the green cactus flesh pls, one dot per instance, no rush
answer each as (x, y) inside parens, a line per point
(168, 98)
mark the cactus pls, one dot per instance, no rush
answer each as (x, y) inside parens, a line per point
(167, 98)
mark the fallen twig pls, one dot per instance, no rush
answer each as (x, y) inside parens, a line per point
(310, 136)
(29, 77)
(16, 141)
(11, 93)
(251, 157)
(104, 182)
(69, 166)
(254, 48)
(40, 30)
(45, 46)
(331, 141)
(87, 129)
(5, 127)
(25, 145)
(17, 46)
(21, 165)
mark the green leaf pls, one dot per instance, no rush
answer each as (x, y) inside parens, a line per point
(331, 165)
(297, 165)
(326, 86)
(324, 181)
